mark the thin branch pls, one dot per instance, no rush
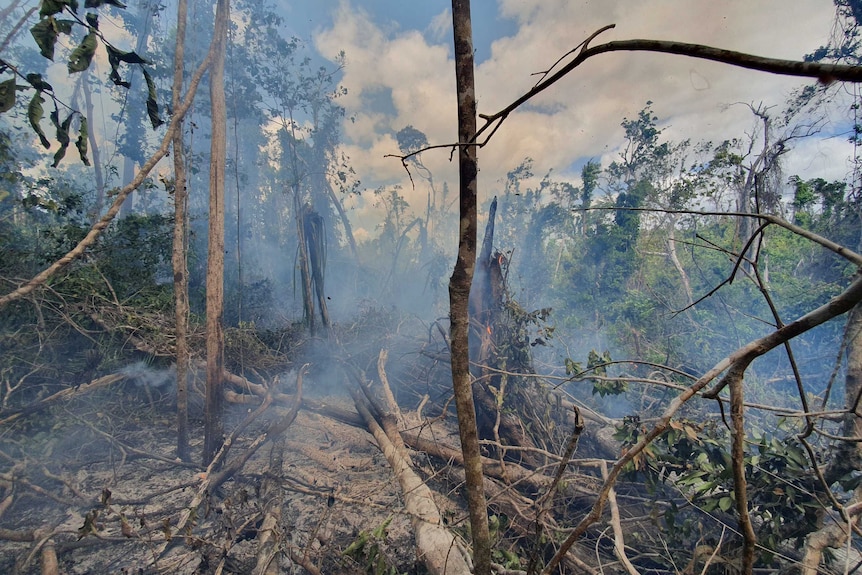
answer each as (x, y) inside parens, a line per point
(14, 32)
(738, 361)
(737, 453)
(43, 276)
(825, 73)
(619, 540)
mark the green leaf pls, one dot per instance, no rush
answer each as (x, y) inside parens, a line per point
(51, 7)
(81, 142)
(7, 94)
(64, 26)
(725, 503)
(114, 60)
(97, 3)
(83, 54)
(38, 83)
(62, 137)
(93, 20)
(152, 105)
(35, 114)
(45, 35)
(127, 57)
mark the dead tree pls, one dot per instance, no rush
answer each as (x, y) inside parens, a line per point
(499, 353)
(315, 241)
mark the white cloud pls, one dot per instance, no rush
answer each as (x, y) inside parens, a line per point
(579, 117)
(826, 158)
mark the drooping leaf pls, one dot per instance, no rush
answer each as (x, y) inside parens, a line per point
(7, 94)
(97, 3)
(35, 114)
(55, 116)
(127, 57)
(38, 83)
(152, 104)
(114, 61)
(62, 137)
(83, 54)
(51, 7)
(64, 26)
(81, 142)
(44, 33)
(93, 20)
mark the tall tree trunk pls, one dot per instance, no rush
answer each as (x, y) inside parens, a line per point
(146, 12)
(674, 258)
(853, 387)
(848, 455)
(94, 149)
(213, 425)
(180, 247)
(300, 211)
(459, 287)
(304, 266)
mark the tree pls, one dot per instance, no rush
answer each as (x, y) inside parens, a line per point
(734, 366)
(116, 57)
(459, 287)
(180, 246)
(214, 427)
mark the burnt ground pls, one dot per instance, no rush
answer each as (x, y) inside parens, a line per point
(97, 477)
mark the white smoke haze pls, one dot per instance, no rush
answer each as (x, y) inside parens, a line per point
(142, 374)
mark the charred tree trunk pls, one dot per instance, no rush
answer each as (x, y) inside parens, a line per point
(213, 425)
(304, 266)
(499, 353)
(315, 239)
(459, 287)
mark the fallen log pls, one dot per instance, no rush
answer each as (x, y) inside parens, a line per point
(267, 538)
(437, 547)
(515, 474)
(65, 394)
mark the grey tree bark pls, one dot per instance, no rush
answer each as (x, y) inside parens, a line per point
(147, 11)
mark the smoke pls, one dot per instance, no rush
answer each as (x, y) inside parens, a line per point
(143, 375)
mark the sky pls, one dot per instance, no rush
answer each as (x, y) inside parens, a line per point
(400, 71)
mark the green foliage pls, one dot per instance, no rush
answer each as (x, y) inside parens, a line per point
(596, 365)
(693, 458)
(46, 31)
(135, 254)
(367, 550)
(46, 34)
(7, 94)
(34, 115)
(83, 54)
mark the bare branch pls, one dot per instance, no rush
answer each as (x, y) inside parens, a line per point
(826, 73)
(180, 112)
(736, 363)
(737, 456)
